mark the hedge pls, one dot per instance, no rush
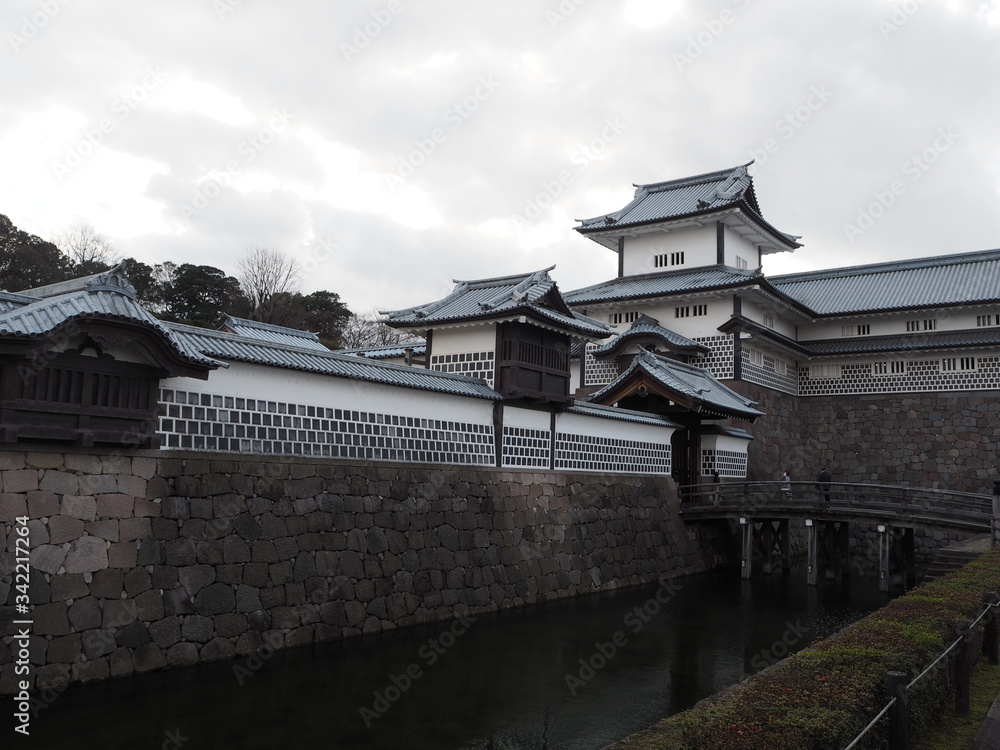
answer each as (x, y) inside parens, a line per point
(823, 696)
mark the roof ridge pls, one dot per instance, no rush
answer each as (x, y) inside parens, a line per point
(695, 179)
(250, 323)
(888, 266)
(325, 354)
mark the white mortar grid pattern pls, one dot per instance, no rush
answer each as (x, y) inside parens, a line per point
(731, 464)
(475, 364)
(719, 361)
(594, 453)
(598, 371)
(770, 378)
(920, 376)
(523, 446)
(191, 420)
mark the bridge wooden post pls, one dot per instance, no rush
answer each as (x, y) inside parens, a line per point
(884, 541)
(786, 547)
(746, 556)
(812, 552)
(767, 541)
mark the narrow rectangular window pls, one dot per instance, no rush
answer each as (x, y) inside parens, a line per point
(768, 320)
(699, 310)
(898, 367)
(677, 259)
(682, 312)
(741, 263)
(880, 368)
(623, 317)
(986, 320)
(659, 261)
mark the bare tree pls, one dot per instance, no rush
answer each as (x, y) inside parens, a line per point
(266, 276)
(367, 329)
(87, 250)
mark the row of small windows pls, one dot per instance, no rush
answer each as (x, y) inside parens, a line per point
(623, 317)
(769, 363)
(668, 259)
(893, 367)
(688, 311)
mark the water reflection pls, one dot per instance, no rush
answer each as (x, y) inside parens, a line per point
(572, 675)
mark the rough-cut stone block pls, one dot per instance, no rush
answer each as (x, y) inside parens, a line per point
(92, 670)
(247, 599)
(47, 558)
(145, 508)
(59, 482)
(115, 505)
(256, 575)
(150, 552)
(50, 619)
(64, 529)
(42, 504)
(149, 606)
(121, 663)
(67, 587)
(149, 657)
(84, 508)
(87, 555)
(123, 555)
(182, 655)
(64, 650)
(166, 632)
(97, 484)
(215, 599)
(130, 529)
(131, 485)
(137, 580)
(217, 648)
(21, 480)
(263, 551)
(118, 613)
(230, 625)
(180, 552)
(85, 614)
(97, 643)
(235, 550)
(197, 629)
(196, 577)
(106, 530)
(175, 508)
(272, 597)
(144, 467)
(108, 584)
(12, 507)
(133, 636)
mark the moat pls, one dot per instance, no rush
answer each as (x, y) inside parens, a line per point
(570, 675)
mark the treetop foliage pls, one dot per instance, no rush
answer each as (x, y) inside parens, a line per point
(265, 288)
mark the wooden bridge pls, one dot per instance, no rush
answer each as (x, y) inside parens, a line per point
(764, 510)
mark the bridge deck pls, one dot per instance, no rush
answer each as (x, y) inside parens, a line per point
(893, 505)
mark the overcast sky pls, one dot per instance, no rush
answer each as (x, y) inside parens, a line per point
(394, 146)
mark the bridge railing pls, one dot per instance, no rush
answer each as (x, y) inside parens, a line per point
(838, 498)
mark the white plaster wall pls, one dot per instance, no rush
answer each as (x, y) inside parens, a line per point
(579, 424)
(697, 243)
(245, 380)
(479, 338)
(737, 245)
(782, 325)
(530, 419)
(725, 443)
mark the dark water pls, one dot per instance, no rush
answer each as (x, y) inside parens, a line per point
(502, 683)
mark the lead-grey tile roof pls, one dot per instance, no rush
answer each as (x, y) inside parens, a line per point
(692, 382)
(661, 284)
(277, 334)
(47, 314)
(533, 294)
(644, 327)
(689, 196)
(390, 351)
(589, 409)
(228, 346)
(905, 342)
(968, 278)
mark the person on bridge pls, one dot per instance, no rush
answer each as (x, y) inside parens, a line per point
(824, 483)
(786, 485)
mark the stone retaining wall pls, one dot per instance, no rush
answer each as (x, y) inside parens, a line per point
(151, 560)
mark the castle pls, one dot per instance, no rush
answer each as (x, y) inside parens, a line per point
(690, 362)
